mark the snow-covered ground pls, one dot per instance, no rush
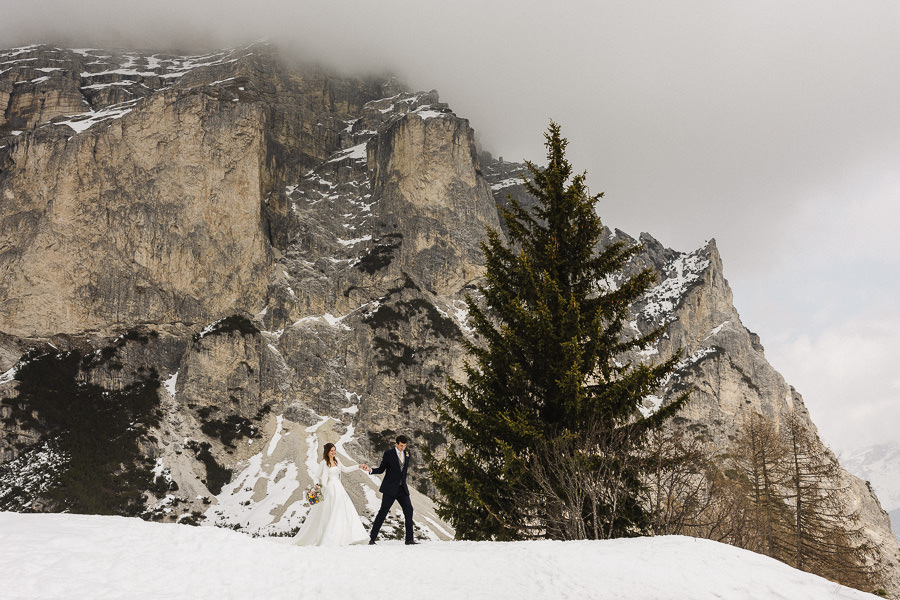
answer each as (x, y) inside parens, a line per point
(49, 556)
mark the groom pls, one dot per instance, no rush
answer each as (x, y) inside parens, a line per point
(394, 465)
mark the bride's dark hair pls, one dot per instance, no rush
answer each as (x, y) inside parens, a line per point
(325, 456)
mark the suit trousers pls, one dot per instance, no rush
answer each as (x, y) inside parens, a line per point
(387, 500)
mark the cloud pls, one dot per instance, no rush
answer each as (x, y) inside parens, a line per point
(849, 379)
(831, 261)
(769, 125)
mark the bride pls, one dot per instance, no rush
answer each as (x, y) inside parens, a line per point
(333, 521)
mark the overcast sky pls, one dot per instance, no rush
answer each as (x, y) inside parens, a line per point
(772, 126)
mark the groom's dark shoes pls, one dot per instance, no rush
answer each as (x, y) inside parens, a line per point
(371, 542)
(412, 543)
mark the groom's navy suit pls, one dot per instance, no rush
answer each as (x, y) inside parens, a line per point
(393, 487)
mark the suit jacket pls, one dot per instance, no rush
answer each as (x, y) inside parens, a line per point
(394, 482)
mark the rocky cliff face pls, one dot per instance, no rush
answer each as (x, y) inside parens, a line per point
(723, 362)
(878, 465)
(283, 253)
(273, 244)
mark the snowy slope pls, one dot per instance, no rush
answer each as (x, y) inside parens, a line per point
(266, 495)
(83, 556)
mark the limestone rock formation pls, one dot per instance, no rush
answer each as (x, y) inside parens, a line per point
(282, 254)
(723, 362)
(878, 465)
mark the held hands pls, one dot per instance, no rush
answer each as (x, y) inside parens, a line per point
(366, 468)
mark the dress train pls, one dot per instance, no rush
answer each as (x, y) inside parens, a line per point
(333, 521)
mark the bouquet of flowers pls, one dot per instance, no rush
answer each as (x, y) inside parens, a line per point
(314, 495)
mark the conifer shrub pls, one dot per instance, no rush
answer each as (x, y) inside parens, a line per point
(432, 438)
(392, 354)
(234, 323)
(232, 428)
(444, 326)
(98, 430)
(381, 255)
(418, 394)
(391, 316)
(194, 518)
(216, 475)
(383, 440)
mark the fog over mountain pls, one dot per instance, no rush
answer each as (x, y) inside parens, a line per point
(773, 127)
(223, 259)
(878, 465)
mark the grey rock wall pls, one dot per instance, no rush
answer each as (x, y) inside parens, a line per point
(289, 250)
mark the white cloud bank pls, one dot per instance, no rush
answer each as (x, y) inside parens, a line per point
(849, 379)
(772, 126)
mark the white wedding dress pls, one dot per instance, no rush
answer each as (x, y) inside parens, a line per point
(333, 521)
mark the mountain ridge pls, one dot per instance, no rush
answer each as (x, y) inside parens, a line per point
(878, 466)
(284, 248)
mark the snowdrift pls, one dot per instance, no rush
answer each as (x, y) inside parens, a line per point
(94, 557)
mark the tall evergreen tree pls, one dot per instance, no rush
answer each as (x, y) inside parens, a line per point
(544, 373)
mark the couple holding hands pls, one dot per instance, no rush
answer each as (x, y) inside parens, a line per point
(334, 521)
